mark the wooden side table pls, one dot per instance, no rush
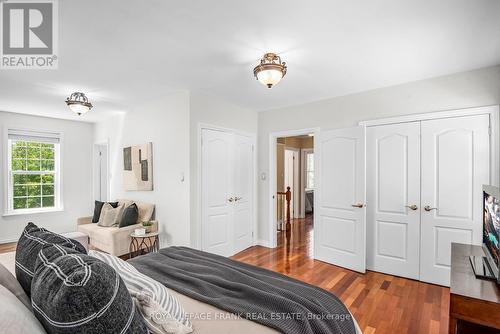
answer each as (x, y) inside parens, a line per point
(474, 303)
(143, 244)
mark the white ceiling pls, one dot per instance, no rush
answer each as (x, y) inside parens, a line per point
(121, 52)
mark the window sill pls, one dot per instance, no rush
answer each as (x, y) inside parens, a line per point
(31, 212)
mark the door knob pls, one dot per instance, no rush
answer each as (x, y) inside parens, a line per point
(230, 199)
(428, 208)
(412, 207)
(238, 198)
(358, 205)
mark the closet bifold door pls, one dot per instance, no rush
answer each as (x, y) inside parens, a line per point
(393, 198)
(455, 165)
(217, 192)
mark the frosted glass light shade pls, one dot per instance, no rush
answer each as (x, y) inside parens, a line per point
(269, 78)
(79, 109)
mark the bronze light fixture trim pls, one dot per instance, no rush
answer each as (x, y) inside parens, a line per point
(79, 103)
(270, 71)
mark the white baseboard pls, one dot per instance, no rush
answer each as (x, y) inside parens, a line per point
(263, 243)
(8, 241)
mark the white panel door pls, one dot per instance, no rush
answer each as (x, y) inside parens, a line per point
(340, 222)
(393, 197)
(216, 189)
(243, 192)
(455, 165)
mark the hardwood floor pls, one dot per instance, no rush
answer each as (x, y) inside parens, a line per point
(5, 248)
(380, 303)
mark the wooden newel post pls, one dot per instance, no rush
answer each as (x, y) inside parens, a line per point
(288, 200)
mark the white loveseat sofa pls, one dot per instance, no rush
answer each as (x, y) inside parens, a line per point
(114, 240)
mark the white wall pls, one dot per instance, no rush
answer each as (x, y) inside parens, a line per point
(463, 90)
(207, 109)
(164, 122)
(171, 123)
(76, 154)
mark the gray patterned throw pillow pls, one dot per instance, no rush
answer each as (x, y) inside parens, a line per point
(29, 245)
(77, 293)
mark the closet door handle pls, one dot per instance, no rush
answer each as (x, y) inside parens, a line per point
(428, 208)
(358, 205)
(238, 198)
(231, 199)
(412, 207)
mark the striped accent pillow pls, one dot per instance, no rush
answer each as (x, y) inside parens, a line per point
(76, 293)
(161, 310)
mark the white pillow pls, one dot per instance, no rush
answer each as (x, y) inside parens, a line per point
(161, 310)
(110, 216)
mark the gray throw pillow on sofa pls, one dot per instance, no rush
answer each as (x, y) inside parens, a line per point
(130, 215)
(30, 243)
(77, 293)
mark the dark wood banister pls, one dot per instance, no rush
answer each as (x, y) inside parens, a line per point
(288, 198)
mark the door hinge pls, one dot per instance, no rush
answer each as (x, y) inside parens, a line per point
(489, 131)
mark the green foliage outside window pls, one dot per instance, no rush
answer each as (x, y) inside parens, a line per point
(33, 175)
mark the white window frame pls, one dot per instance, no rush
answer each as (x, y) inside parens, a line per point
(9, 202)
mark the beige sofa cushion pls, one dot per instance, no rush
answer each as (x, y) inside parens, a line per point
(125, 202)
(110, 216)
(146, 210)
(112, 240)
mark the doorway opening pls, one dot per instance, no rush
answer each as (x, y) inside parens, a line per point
(295, 190)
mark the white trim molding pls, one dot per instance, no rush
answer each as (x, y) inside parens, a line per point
(273, 141)
(199, 214)
(49, 136)
(95, 165)
(432, 115)
(492, 111)
(263, 243)
(303, 180)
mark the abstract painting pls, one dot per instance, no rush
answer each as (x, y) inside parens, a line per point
(138, 167)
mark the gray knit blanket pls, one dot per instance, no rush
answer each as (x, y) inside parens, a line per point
(254, 293)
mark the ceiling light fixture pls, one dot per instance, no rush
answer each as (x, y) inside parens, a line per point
(270, 71)
(78, 103)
